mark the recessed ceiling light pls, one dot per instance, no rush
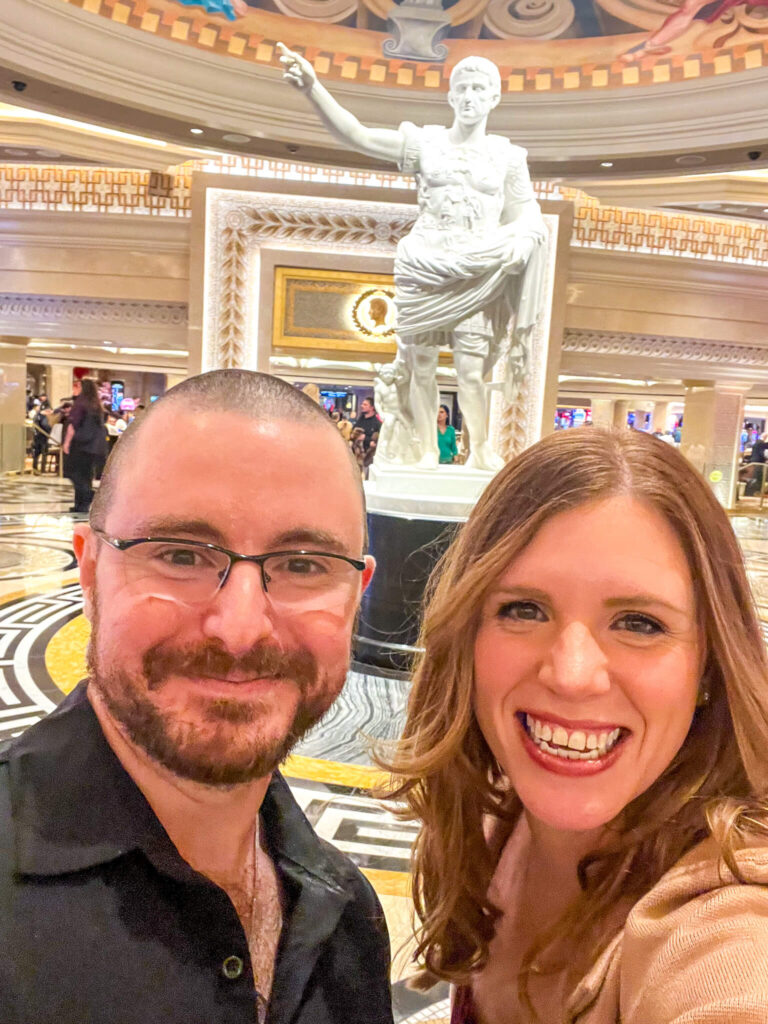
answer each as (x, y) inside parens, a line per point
(234, 137)
(196, 131)
(52, 153)
(690, 160)
(607, 163)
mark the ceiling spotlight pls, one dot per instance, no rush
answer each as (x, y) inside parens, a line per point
(690, 160)
(234, 137)
(195, 131)
(607, 163)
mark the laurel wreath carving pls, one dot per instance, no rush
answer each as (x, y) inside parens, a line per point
(231, 327)
(330, 228)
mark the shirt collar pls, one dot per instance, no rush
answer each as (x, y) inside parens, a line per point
(75, 806)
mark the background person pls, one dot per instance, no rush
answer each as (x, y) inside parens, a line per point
(40, 437)
(85, 442)
(446, 436)
(369, 422)
(585, 748)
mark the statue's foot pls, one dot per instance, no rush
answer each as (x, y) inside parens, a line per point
(428, 461)
(485, 458)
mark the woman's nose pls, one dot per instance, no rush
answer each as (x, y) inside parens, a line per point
(576, 664)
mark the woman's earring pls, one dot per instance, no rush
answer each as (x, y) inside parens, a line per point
(703, 697)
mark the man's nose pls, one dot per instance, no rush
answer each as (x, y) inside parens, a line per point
(576, 665)
(240, 613)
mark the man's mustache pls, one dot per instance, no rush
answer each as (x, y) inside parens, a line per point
(212, 660)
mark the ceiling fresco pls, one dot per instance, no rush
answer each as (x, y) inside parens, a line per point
(679, 26)
(539, 45)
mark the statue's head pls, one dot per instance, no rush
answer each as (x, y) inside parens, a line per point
(475, 87)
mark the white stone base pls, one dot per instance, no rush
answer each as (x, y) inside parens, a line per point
(446, 492)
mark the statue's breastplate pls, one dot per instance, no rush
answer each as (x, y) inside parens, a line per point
(460, 189)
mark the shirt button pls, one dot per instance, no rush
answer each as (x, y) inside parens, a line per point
(232, 968)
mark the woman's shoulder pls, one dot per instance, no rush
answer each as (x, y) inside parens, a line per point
(698, 939)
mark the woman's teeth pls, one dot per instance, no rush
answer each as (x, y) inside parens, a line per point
(571, 744)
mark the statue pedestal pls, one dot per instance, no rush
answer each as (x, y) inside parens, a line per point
(412, 516)
(447, 492)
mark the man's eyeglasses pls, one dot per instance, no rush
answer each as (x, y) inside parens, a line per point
(192, 572)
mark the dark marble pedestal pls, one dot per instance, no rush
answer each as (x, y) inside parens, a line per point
(406, 549)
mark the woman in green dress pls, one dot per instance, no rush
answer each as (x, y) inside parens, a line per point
(446, 436)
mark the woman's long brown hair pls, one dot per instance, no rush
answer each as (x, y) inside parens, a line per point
(445, 773)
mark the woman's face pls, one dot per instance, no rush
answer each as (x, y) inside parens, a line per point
(442, 417)
(587, 662)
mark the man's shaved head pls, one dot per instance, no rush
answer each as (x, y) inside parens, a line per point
(257, 396)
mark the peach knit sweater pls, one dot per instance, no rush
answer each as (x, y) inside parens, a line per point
(694, 950)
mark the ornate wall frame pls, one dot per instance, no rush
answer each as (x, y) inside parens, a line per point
(245, 229)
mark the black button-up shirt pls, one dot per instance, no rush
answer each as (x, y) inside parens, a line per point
(103, 922)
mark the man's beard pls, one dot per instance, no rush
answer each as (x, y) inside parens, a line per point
(211, 755)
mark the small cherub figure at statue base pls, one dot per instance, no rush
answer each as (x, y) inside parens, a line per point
(396, 443)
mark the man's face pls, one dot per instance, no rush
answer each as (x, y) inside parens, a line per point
(366, 407)
(219, 691)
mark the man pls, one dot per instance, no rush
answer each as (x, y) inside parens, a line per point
(368, 421)
(153, 863)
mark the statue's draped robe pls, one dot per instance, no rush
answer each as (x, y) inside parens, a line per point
(449, 272)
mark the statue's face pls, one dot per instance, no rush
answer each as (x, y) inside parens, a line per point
(472, 96)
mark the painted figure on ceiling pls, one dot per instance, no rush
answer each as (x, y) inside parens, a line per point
(677, 23)
(231, 9)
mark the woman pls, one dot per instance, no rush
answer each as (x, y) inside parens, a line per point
(446, 436)
(85, 443)
(586, 748)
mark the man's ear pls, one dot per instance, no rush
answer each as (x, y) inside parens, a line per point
(84, 542)
(368, 571)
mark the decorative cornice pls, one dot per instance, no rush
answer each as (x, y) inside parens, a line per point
(652, 346)
(34, 309)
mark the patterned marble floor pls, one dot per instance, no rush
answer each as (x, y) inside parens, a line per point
(42, 642)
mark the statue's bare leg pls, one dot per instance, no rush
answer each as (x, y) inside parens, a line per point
(470, 375)
(424, 399)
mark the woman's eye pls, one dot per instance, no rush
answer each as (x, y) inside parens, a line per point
(521, 611)
(641, 625)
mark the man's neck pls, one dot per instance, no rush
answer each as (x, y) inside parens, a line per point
(213, 829)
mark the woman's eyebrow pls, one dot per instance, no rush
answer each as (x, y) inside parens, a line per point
(643, 601)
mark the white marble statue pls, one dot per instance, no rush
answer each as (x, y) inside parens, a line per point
(473, 259)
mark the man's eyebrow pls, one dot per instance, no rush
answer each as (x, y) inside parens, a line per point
(174, 526)
(307, 537)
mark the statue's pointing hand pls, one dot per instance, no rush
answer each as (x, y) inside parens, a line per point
(296, 69)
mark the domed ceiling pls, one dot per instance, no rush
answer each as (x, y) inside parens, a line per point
(540, 45)
(607, 87)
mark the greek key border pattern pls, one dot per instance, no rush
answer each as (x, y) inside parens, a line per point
(108, 191)
(658, 347)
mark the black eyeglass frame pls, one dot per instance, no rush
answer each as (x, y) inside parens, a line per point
(121, 544)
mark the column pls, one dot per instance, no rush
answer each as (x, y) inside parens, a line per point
(712, 422)
(602, 412)
(60, 378)
(641, 410)
(13, 404)
(660, 417)
(620, 413)
(172, 379)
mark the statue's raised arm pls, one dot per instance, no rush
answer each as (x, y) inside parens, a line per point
(381, 143)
